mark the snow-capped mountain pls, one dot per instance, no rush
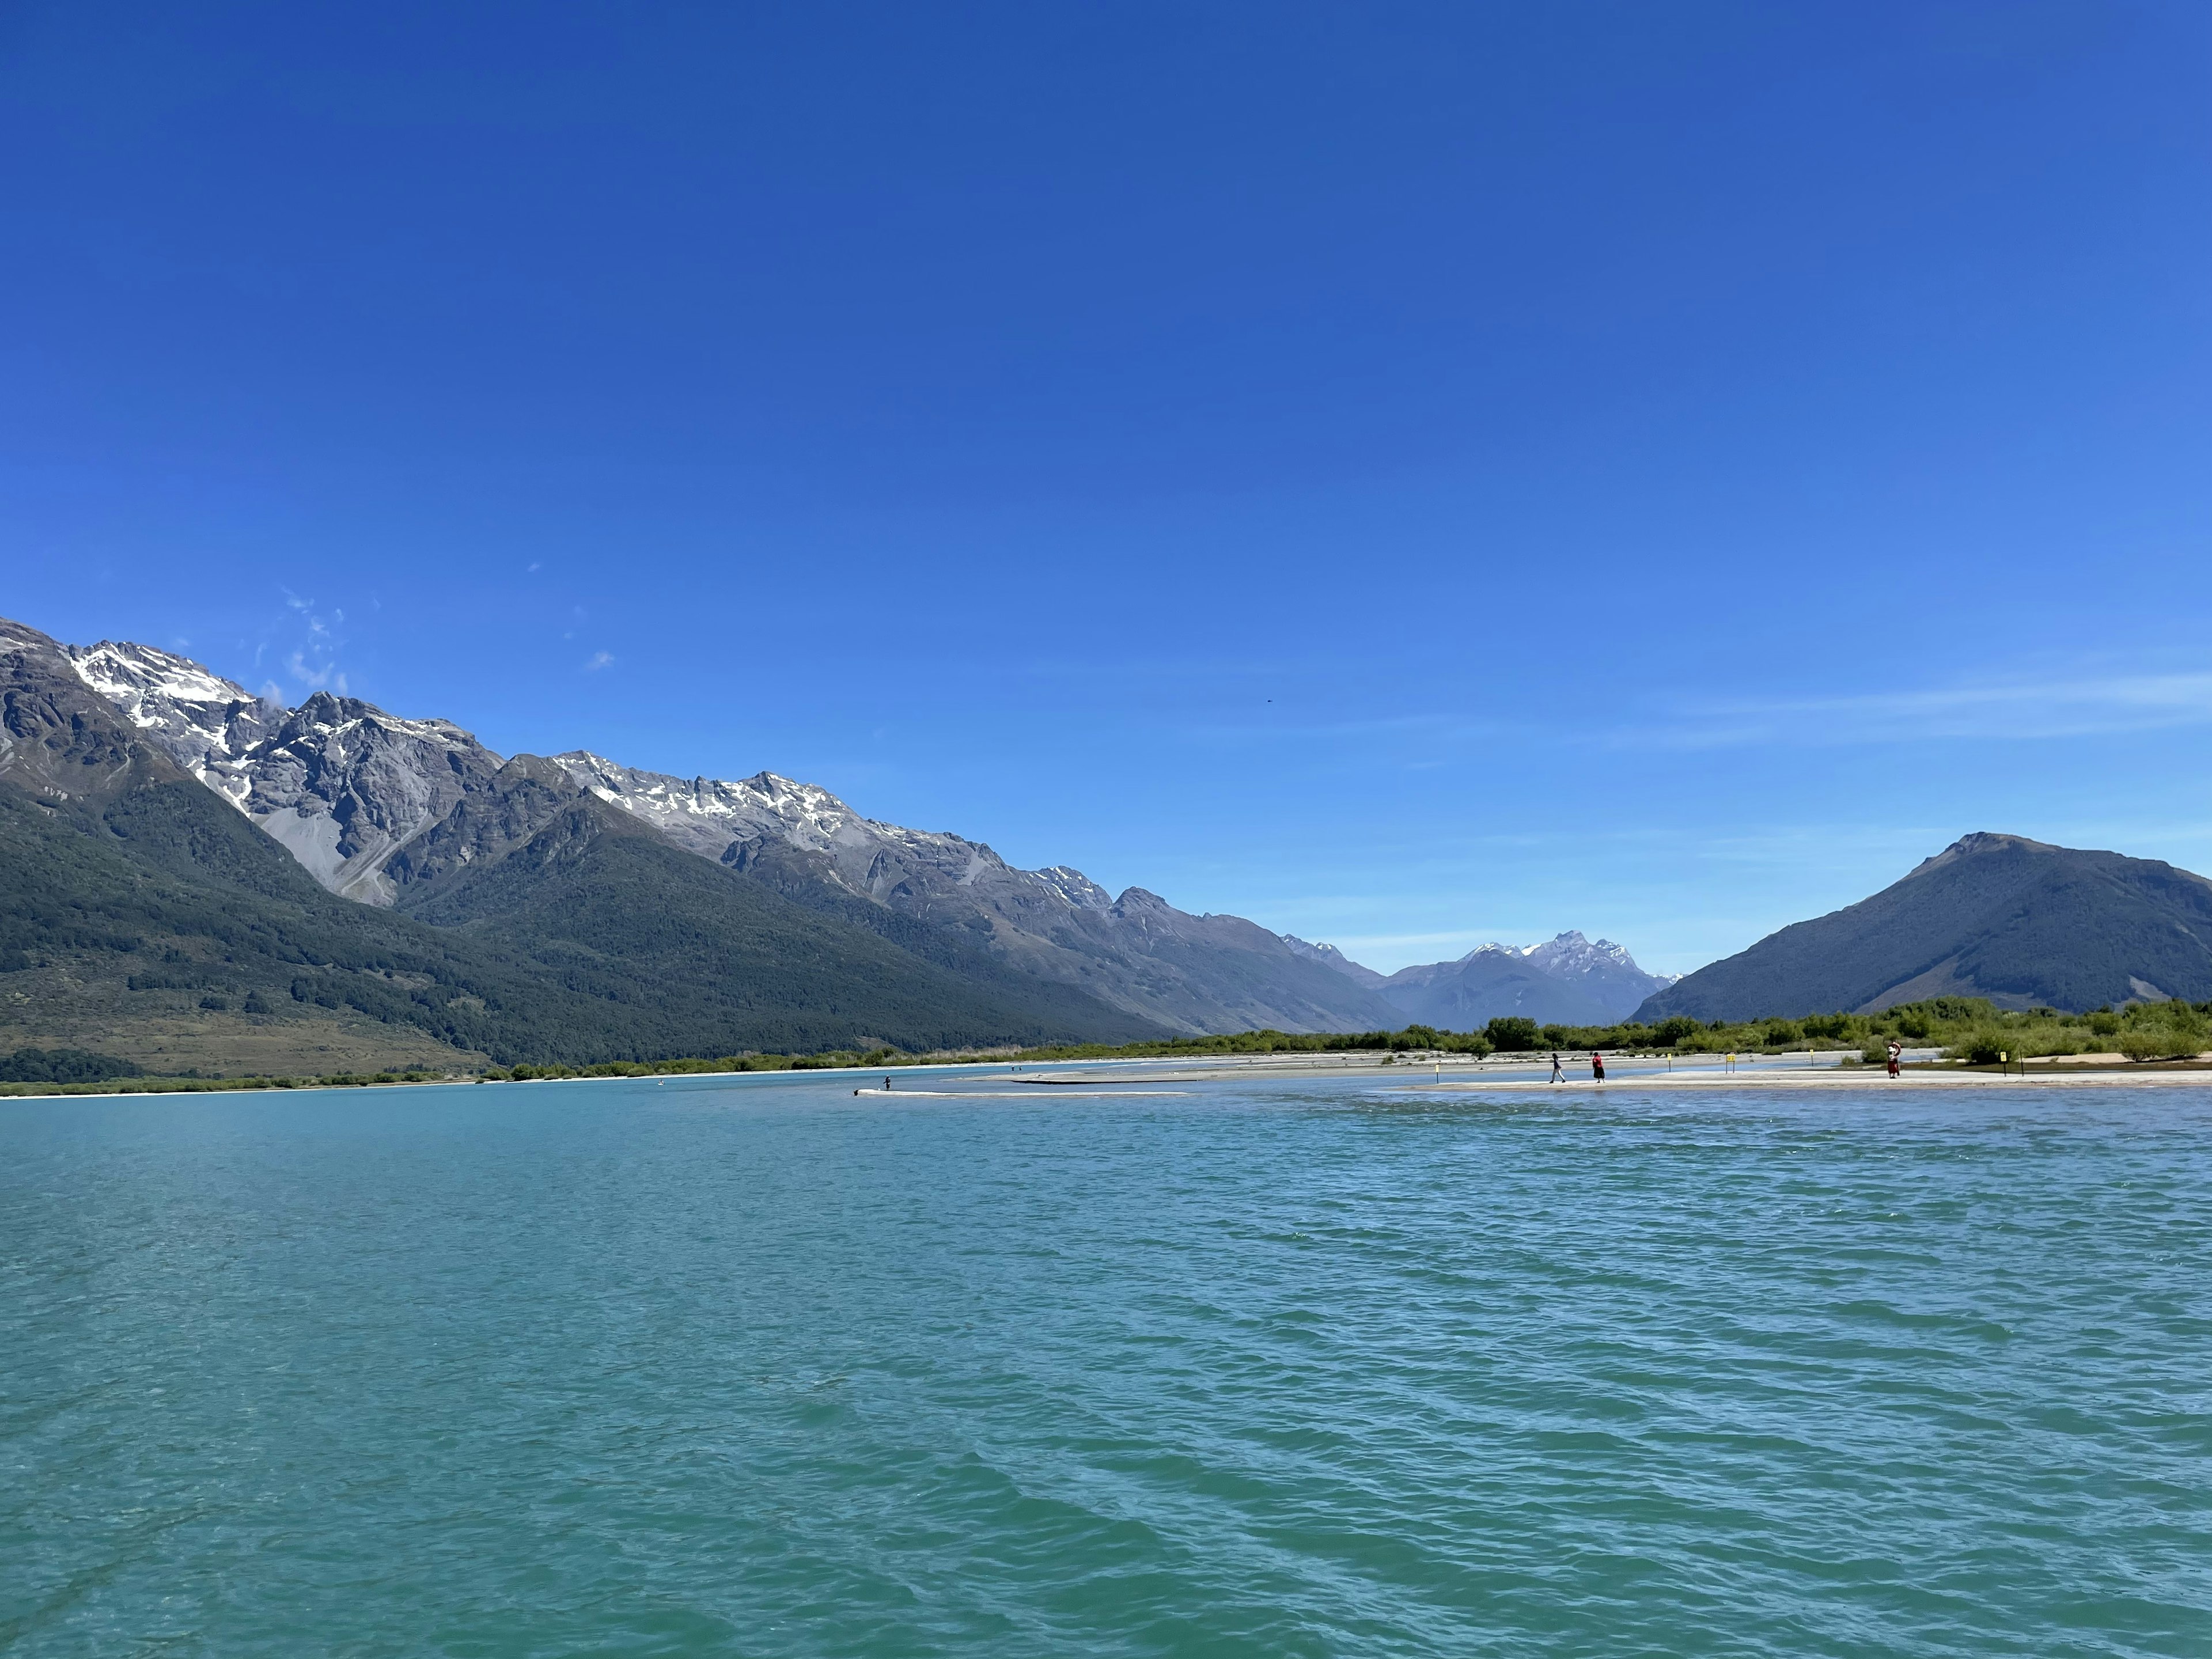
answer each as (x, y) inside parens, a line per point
(339, 782)
(1604, 969)
(372, 804)
(1569, 980)
(203, 721)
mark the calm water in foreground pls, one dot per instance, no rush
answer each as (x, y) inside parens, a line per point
(754, 1367)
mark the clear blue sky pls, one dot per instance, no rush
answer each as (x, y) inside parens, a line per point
(1408, 474)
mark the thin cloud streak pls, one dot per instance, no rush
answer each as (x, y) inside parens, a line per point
(2016, 709)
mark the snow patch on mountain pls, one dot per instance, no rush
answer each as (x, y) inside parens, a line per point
(706, 815)
(203, 721)
(1077, 889)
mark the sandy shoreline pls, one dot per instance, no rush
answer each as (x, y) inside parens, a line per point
(1105, 1078)
(1870, 1078)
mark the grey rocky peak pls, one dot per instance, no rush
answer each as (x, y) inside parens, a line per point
(709, 816)
(344, 785)
(1077, 889)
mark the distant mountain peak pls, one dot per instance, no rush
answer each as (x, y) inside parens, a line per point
(130, 675)
(1981, 844)
(1570, 979)
(1572, 953)
(1140, 898)
(1329, 957)
(1077, 889)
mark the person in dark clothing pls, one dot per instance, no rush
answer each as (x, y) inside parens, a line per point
(1558, 1076)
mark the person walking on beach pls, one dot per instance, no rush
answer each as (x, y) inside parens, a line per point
(1597, 1066)
(1896, 1055)
(1558, 1076)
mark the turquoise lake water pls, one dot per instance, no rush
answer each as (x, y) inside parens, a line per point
(754, 1367)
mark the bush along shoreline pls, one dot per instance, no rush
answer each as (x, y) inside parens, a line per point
(1970, 1031)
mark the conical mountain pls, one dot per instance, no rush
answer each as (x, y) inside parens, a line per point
(2019, 922)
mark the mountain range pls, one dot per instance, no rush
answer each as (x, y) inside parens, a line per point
(696, 915)
(2021, 922)
(193, 877)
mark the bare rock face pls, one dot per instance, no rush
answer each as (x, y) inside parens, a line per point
(341, 784)
(345, 786)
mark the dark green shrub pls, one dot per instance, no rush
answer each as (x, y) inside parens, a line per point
(1980, 1045)
(1512, 1034)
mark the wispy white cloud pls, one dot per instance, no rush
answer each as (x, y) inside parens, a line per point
(598, 660)
(2086, 706)
(314, 661)
(321, 676)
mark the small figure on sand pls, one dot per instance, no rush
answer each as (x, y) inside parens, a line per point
(1597, 1066)
(1558, 1076)
(1896, 1055)
(887, 1083)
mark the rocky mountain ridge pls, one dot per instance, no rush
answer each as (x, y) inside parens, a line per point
(142, 914)
(374, 805)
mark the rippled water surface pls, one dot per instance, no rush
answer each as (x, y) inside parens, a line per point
(754, 1367)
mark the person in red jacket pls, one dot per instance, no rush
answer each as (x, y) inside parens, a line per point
(1597, 1066)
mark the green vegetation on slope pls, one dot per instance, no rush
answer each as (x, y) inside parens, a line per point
(167, 905)
(1992, 915)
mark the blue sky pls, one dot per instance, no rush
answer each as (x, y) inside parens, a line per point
(1410, 475)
